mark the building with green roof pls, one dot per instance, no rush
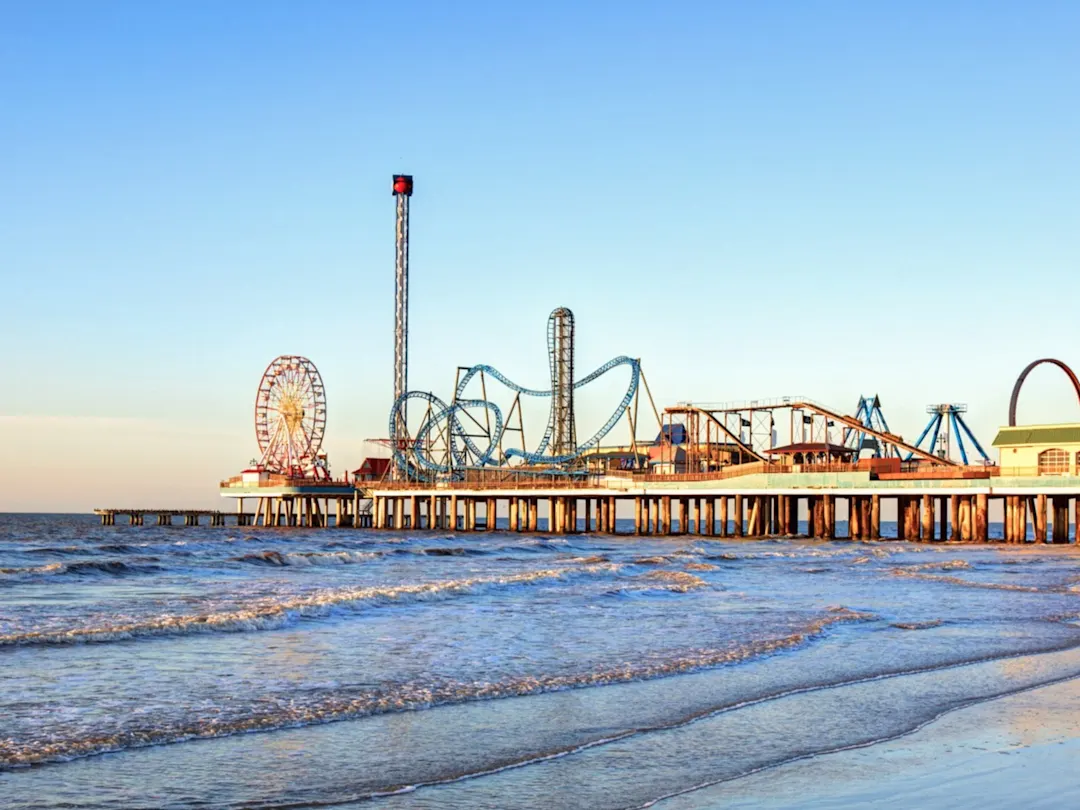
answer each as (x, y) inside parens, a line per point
(1039, 449)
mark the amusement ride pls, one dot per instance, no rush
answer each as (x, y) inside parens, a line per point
(290, 418)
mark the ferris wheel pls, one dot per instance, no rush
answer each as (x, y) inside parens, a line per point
(290, 415)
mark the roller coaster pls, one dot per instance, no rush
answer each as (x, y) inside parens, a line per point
(471, 433)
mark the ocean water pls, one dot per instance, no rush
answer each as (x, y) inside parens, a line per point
(179, 667)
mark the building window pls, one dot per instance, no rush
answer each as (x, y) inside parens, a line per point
(1053, 462)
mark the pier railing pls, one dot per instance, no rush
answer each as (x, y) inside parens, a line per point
(1031, 472)
(279, 480)
(529, 482)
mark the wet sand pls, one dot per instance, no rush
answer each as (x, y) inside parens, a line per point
(1018, 751)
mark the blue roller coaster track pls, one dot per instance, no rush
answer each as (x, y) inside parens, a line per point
(412, 454)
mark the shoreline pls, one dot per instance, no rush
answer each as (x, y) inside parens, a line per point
(1018, 749)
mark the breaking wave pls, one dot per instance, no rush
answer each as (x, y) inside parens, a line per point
(300, 558)
(270, 614)
(967, 583)
(288, 712)
(85, 567)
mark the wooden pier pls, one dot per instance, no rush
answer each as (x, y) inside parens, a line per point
(166, 517)
(838, 504)
(827, 502)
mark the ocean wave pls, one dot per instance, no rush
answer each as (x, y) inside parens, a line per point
(917, 625)
(699, 566)
(679, 581)
(948, 565)
(967, 583)
(274, 713)
(303, 558)
(84, 568)
(595, 558)
(271, 614)
(64, 550)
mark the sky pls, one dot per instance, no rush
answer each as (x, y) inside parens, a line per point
(825, 199)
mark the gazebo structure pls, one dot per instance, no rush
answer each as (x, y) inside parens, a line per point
(813, 453)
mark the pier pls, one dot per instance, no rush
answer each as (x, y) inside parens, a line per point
(834, 505)
(784, 467)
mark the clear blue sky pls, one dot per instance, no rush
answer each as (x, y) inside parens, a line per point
(757, 199)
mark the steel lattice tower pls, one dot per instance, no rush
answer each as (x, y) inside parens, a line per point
(561, 357)
(402, 189)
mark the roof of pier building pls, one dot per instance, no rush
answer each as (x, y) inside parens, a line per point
(1039, 450)
(372, 468)
(673, 434)
(1038, 435)
(813, 448)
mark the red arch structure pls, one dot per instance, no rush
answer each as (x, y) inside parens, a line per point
(1023, 376)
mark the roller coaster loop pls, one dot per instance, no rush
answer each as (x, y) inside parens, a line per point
(417, 446)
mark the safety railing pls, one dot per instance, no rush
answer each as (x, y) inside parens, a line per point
(524, 483)
(1033, 472)
(278, 480)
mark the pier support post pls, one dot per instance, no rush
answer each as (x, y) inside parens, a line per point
(928, 520)
(1061, 519)
(1040, 518)
(753, 513)
(738, 527)
(637, 515)
(710, 516)
(875, 517)
(954, 514)
(1076, 519)
(982, 523)
(828, 509)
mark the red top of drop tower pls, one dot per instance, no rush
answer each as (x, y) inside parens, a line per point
(403, 184)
